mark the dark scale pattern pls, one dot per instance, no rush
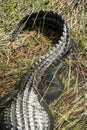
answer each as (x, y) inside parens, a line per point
(26, 110)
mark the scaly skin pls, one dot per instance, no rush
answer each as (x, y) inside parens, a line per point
(27, 110)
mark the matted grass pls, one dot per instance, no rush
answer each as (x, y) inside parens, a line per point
(70, 109)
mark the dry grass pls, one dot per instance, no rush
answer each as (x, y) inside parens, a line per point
(70, 109)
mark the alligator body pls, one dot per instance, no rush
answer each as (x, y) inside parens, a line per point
(28, 110)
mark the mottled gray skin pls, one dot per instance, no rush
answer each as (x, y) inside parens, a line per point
(26, 109)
